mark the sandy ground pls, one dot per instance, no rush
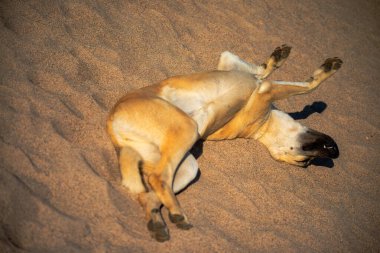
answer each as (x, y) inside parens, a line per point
(63, 64)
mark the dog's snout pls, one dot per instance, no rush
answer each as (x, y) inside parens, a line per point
(331, 148)
(320, 145)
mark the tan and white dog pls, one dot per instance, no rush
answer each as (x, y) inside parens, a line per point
(154, 128)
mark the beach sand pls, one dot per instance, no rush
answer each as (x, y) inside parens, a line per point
(63, 64)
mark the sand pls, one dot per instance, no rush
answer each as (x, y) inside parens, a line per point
(63, 64)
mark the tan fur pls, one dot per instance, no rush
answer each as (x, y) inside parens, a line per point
(156, 126)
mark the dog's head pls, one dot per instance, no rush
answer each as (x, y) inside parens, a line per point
(290, 142)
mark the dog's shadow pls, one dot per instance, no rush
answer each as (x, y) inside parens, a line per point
(316, 107)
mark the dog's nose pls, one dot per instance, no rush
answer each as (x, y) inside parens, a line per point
(320, 145)
(331, 149)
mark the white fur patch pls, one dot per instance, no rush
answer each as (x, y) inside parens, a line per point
(229, 61)
(264, 87)
(188, 101)
(187, 171)
(127, 135)
(301, 84)
(133, 183)
(281, 135)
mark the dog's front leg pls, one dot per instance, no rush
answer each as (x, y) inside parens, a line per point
(284, 89)
(228, 61)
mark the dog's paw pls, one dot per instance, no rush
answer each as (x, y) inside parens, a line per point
(180, 221)
(331, 64)
(281, 53)
(158, 231)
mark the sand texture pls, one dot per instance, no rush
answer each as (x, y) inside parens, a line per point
(63, 64)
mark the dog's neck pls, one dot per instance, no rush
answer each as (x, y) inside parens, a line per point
(248, 121)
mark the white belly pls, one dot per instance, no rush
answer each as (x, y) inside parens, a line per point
(211, 102)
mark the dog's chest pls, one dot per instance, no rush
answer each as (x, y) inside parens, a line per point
(210, 104)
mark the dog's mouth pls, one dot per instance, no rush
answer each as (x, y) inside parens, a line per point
(316, 144)
(304, 163)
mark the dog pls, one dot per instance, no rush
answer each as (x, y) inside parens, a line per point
(154, 128)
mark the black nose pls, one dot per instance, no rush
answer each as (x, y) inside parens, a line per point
(319, 145)
(331, 149)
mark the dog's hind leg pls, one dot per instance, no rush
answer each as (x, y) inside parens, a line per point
(131, 166)
(186, 173)
(169, 132)
(283, 89)
(136, 171)
(161, 135)
(172, 152)
(156, 225)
